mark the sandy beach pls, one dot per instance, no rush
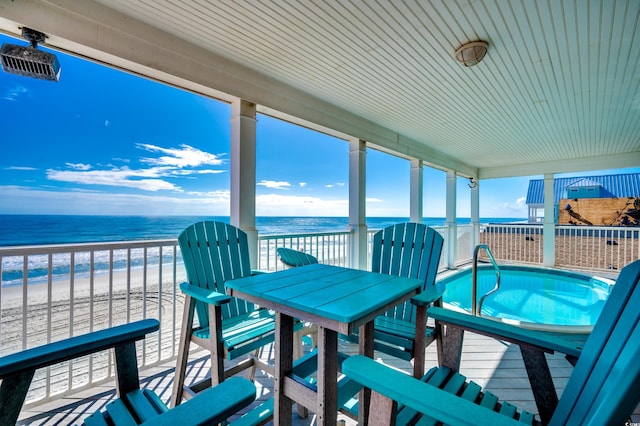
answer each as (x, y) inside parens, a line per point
(53, 312)
(578, 253)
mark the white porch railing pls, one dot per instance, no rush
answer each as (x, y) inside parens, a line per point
(51, 292)
(328, 247)
(577, 247)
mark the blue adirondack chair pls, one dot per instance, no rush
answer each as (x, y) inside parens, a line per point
(134, 406)
(602, 390)
(213, 253)
(409, 250)
(293, 258)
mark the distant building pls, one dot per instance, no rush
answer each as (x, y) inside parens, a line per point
(588, 200)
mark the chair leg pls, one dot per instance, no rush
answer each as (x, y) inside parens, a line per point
(216, 345)
(419, 345)
(311, 330)
(183, 351)
(251, 370)
(13, 392)
(452, 347)
(297, 344)
(298, 352)
(542, 386)
(127, 378)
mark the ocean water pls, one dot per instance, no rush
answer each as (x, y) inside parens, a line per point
(29, 230)
(19, 230)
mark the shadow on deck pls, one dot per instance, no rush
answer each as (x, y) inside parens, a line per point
(496, 366)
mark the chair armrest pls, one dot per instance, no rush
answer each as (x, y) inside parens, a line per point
(74, 347)
(258, 272)
(422, 397)
(204, 295)
(428, 296)
(503, 331)
(211, 406)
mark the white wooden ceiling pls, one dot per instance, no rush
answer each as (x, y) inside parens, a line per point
(559, 89)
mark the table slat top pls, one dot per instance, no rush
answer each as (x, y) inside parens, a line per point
(341, 294)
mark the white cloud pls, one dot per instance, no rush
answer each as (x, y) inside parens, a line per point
(274, 184)
(517, 208)
(302, 184)
(185, 156)
(79, 166)
(15, 92)
(29, 200)
(333, 185)
(21, 168)
(218, 195)
(291, 205)
(140, 179)
(209, 172)
(180, 162)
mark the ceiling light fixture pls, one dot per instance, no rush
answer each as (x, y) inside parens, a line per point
(471, 53)
(473, 183)
(29, 61)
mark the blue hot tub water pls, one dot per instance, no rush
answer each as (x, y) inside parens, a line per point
(533, 297)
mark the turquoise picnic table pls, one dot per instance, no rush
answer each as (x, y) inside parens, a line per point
(337, 300)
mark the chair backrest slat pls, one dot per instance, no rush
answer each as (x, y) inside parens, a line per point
(295, 258)
(604, 383)
(410, 250)
(213, 253)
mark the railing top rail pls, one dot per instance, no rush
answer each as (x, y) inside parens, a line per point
(81, 247)
(310, 234)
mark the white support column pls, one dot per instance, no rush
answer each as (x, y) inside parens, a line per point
(415, 191)
(549, 227)
(243, 173)
(475, 215)
(452, 227)
(357, 203)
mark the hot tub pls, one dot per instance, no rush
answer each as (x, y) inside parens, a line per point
(532, 297)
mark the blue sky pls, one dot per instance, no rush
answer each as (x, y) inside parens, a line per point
(101, 141)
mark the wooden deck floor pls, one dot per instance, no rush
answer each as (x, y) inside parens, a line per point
(496, 366)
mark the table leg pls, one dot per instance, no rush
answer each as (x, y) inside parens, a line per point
(283, 367)
(366, 346)
(327, 410)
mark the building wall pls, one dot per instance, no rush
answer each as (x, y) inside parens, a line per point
(593, 211)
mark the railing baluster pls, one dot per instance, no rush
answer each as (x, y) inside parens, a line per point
(47, 388)
(128, 295)
(174, 298)
(91, 315)
(25, 281)
(160, 254)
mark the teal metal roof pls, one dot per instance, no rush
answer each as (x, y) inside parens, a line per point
(624, 185)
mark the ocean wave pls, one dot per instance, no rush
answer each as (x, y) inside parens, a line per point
(39, 267)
